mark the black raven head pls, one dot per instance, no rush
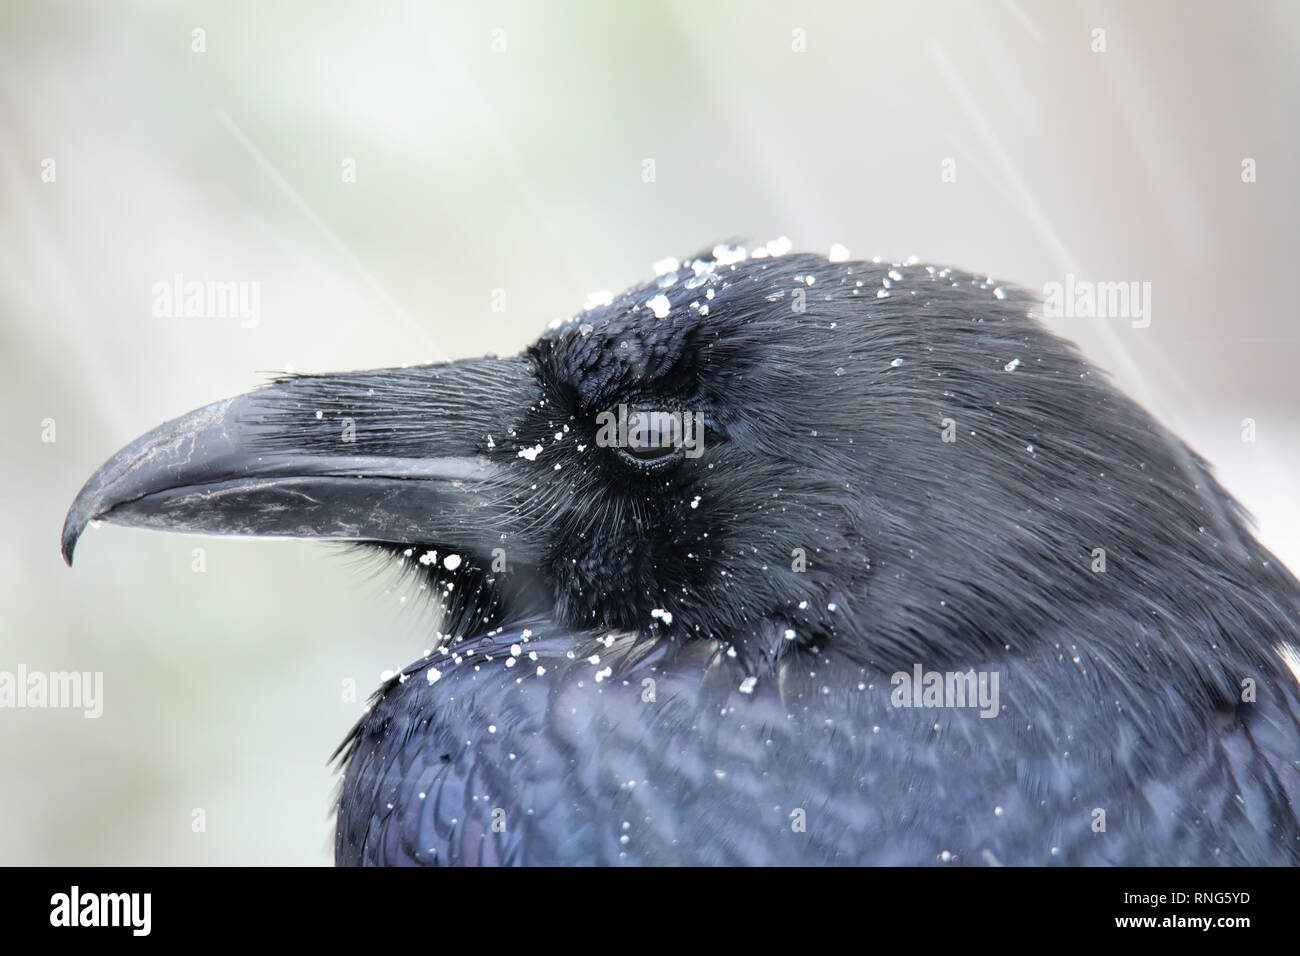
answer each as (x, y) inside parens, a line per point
(772, 453)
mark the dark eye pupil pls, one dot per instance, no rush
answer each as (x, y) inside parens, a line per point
(650, 435)
(650, 454)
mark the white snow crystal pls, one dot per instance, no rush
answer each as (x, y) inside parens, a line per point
(726, 255)
(779, 246)
(597, 298)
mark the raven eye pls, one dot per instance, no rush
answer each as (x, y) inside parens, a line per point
(649, 454)
(649, 437)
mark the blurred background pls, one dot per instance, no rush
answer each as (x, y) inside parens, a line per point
(405, 183)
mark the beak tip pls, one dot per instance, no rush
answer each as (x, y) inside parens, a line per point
(74, 524)
(68, 541)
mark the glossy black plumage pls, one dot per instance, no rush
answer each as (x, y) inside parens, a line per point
(766, 733)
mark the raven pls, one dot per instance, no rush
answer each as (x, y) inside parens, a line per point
(776, 560)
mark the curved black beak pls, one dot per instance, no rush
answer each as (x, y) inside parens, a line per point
(393, 455)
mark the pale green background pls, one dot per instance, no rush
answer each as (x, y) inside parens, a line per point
(522, 171)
